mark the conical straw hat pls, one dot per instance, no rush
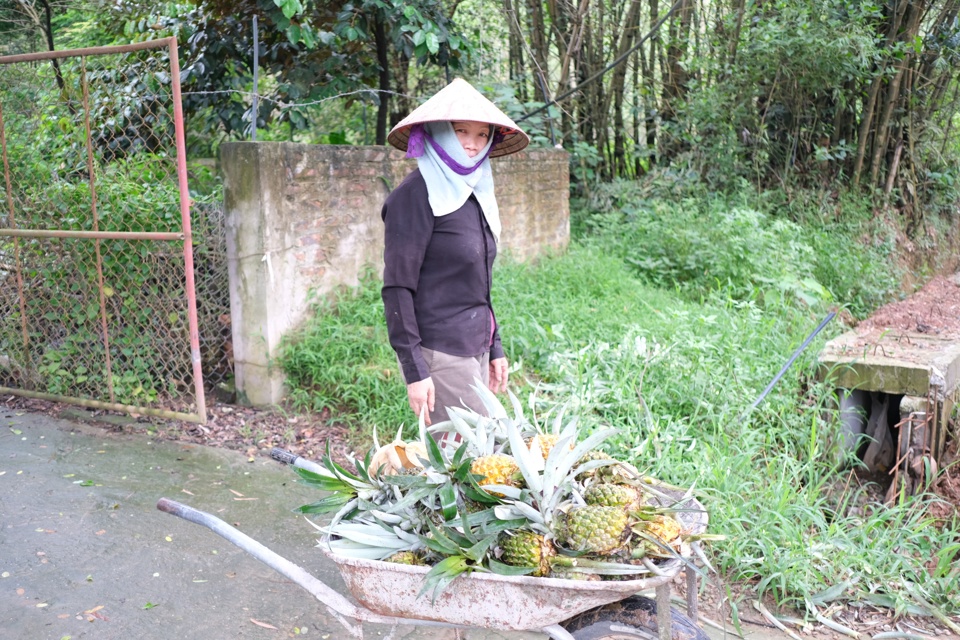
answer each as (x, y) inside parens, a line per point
(460, 101)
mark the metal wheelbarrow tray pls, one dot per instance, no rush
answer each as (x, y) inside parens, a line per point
(484, 600)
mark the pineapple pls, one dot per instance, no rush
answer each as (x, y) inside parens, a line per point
(406, 557)
(496, 468)
(658, 535)
(606, 494)
(594, 529)
(542, 442)
(664, 527)
(528, 549)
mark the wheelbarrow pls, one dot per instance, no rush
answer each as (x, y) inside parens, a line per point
(388, 593)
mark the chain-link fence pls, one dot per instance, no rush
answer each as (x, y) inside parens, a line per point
(97, 301)
(213, 296)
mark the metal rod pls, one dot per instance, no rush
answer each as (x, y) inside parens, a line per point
(692, 593)
(88, 51)
(294, 460)
(106, 406)
(92, 179)
(181, 146)
(87, 235)
(795, 355)
(664, 612)
(256, 84)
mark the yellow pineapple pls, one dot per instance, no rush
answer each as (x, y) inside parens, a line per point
(666, 528)
(496, 468)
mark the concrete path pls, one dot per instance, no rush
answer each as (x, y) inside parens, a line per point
(84, 553)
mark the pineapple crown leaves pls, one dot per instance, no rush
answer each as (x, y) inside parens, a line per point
(600, 567)
(367, 539)
(345, 487)
(464, 552)
(490, 401)
(451, 542)
(486, 522)
(442, 574)
(478, 432)
(502, 569)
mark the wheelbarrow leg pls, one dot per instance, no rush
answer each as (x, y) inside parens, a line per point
(664, 623)
(692, 593)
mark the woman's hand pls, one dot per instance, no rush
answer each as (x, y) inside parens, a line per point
(422, 395)
(498, 375)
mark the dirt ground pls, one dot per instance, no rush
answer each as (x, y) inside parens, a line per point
(933, 310)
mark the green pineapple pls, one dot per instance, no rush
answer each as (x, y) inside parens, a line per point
(594, 529)
(607, 494)
(528, 549)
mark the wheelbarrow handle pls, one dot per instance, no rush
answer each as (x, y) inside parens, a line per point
(280, 455)
(278, 563)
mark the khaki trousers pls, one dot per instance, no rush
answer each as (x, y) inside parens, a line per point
(453, 378)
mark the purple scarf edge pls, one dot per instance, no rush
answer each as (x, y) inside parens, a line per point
(416, 145)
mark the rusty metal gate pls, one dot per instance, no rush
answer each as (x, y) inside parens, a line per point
(97, 303)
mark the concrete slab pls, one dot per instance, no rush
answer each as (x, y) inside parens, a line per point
(893, 362)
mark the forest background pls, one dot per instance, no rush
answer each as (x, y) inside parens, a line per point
(737, 170)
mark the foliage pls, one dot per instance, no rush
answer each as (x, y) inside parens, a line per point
(705, 245)
(310, 51)
(342, 361)
(810, 247)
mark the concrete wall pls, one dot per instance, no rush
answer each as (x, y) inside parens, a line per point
(304, 219)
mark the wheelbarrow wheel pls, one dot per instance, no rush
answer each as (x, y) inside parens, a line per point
(629, 619)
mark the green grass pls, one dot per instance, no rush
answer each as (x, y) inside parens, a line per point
(674, 366)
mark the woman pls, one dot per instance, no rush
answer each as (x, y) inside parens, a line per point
(441, 228)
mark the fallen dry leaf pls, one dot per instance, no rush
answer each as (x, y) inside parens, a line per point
(99, 533)
(95, 609)
(263, 624)
(20, 591)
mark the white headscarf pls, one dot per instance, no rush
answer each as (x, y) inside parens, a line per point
(447, 190)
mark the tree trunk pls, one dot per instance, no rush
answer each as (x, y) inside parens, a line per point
(675, 76)
(538, 43)
(380, 36)
(882, 135)
(866, 119)
(515, 64)
(629, 31)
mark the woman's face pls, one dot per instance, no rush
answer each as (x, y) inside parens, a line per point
(473, 136)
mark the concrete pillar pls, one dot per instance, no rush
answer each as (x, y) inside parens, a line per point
(257, 268)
